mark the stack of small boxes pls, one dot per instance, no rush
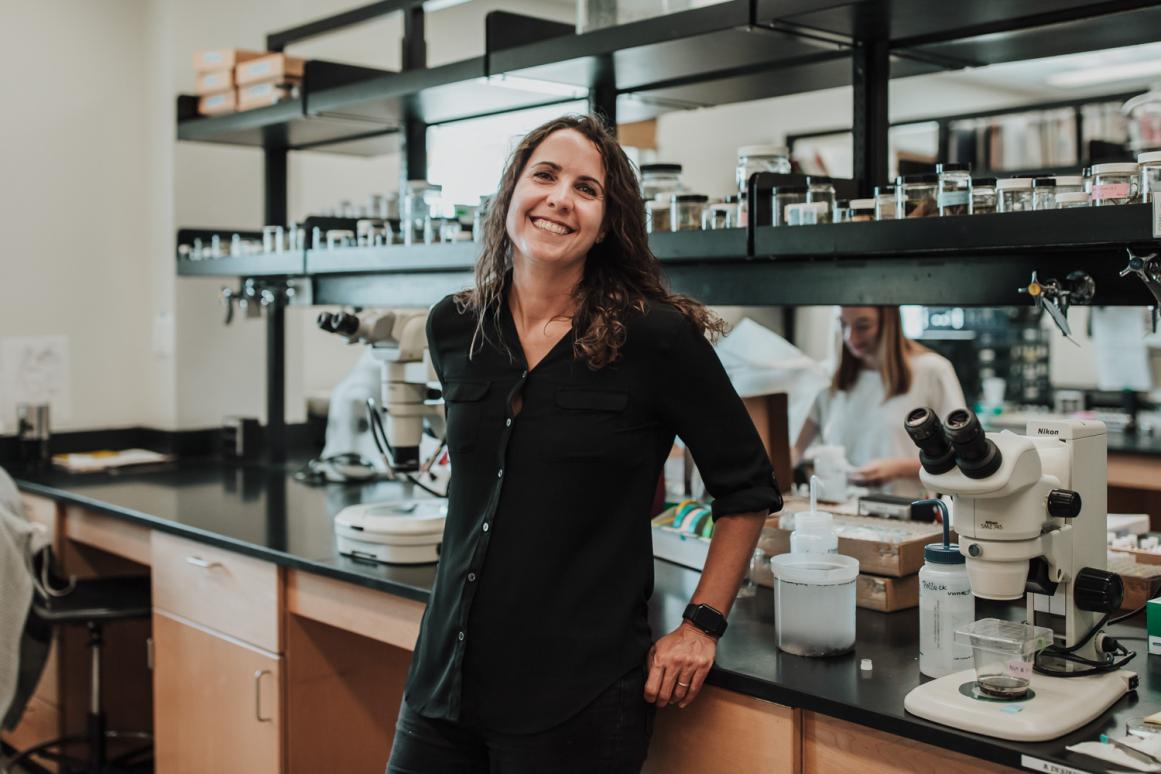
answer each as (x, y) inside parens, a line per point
(236, 79)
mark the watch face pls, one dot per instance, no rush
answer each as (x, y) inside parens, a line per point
(707, 619)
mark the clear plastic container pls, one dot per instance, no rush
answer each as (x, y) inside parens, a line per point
(955, 189)
(1115, 184)
(983, 195)
(1014, 194)
(813, 533)
(784, 196)
(1004, 653)
(806, 584)
(1150, 164)
(820, 189)
(807, 214)
(1066, 201)
(946, 605)
(884, 202)
(660, 178)
(416, 212)
(915, 196)
(686, 211)
(1044, 193)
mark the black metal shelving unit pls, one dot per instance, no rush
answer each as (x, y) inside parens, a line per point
(731, 52)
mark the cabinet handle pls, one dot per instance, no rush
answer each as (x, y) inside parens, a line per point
(197, 561)
(258, 695)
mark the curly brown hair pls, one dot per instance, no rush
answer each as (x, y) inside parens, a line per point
(621, 274)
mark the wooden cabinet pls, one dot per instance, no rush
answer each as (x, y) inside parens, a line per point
(219, 702)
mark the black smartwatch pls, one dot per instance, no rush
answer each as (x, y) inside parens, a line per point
(706, 618)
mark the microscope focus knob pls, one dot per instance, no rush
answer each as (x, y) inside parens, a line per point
(1064, 503)
(1098, 591)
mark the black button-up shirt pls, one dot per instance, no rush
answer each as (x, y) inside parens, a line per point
(546, 567)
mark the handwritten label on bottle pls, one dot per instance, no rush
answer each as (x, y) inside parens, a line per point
(1110, 191)
(1018, 668)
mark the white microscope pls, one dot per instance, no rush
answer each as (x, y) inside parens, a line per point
(1031, 512)
(407, 530)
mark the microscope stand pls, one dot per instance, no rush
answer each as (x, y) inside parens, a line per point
(1058, 705)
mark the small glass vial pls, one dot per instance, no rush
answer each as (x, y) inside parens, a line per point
(1115, 184)
(955, 189)
(915, 196)
(272, 239)
(884, 202)
(1150, 164)
(686, 211)
(1014, 194)
(983, 195)
(1066, 201)
(660, 178)
(717, 216)
(862, 210)
(657, 219)
(820, 189)
(1044, 193)
(807, 213)
(784, 196)
(842, 211)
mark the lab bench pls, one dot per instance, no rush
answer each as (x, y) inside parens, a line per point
(293, 658)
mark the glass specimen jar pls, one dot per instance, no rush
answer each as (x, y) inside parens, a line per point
(1115, 184)
(955, 189)
(1150, 164)
(884, 202)
(783, 196)
(1014, 194)
(915, 196)
(686, 211)
(983, 195)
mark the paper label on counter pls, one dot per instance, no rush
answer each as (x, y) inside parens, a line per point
(1036, 764)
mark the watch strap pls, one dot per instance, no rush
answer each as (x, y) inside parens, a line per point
(706, 618)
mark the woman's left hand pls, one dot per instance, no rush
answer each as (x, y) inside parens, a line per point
(883, 471)
(678, 664)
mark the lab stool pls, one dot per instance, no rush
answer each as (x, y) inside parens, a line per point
(93, 602)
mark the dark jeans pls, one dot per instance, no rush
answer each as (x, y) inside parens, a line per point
(609, 736)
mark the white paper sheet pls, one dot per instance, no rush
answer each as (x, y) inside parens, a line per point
(1122, 357)
(34, 369)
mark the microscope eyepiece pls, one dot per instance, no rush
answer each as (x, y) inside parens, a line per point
(976, 456)
(925, 429)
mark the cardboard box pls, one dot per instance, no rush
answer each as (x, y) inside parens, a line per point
(263, 94)
(223, 58)
(217, 104)
(274, 68)
(877, 557)
(214, 82)
(1140, 573)
(769, 415)
(872, 592)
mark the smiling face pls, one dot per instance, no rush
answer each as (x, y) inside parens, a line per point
(557, 210)
(860, 326)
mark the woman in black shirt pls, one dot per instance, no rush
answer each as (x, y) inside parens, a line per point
(567, 371)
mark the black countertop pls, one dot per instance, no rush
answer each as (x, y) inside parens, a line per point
(265, 513)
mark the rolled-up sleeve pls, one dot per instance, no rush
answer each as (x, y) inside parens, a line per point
(696, 397)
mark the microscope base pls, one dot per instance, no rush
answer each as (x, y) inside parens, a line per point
(1058, 706)
(397, 532)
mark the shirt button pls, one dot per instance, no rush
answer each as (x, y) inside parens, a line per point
(461, 636)
(500, 473)
(523, 374)
(471, 577)
(508, 422)
(485, 526)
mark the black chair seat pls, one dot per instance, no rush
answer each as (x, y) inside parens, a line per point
(98, 599)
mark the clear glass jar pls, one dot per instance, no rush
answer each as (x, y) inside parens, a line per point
(718, 215)
(753, 159)
(1044, 193)
(915, 196)
(657, 219)
(660, 178)
(983, 195)
(955, 189)
(862, 210)
(1070, 199)
(1115, 184)
(884, 202)
(415, 215)
(1014, 194)
(784, 196)
(807, 213)
(820, 189)
(841, 212)
(1150, 164)
(686, 211)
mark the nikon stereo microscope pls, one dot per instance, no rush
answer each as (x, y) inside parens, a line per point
(1031, 512)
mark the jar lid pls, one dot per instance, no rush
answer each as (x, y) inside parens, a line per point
(691, 198)
(815, 569)
(927, 177)
(763, 150)
(819, 180)
(953, 168)
(938, 553)
(731, 199)
(862, 204)
(1151, 157)
(1120, 168)
(660, 168)
(1044, 182)
(984, 182)
(788, 189)
(883, 190)
(1069, 180)
(1014, 184)
(842, 204)
(1072, 196)
(657, 204)
(820, 207)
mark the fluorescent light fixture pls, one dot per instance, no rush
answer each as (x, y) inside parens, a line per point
(431, 6)
(1105, 73)
(536, 86)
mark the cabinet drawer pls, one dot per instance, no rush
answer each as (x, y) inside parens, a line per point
(233, 594)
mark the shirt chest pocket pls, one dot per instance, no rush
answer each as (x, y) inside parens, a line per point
(464, 405)
(585, 424)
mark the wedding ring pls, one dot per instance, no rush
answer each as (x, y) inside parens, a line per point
(684, 685)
